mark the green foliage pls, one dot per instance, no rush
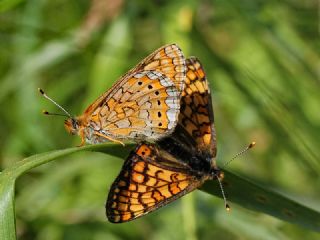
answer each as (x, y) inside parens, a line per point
(9, 176)
(262, 60)
(255, 197)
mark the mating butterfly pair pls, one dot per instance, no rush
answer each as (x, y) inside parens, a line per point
(166, 99)
(156, 174)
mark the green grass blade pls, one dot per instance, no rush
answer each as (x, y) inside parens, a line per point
(257, 198)
(9, 175)
(239, 190)
(7, 216)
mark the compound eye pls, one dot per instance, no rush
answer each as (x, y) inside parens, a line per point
(74, 124)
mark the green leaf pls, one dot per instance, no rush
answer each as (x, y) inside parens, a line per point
(239, 190)
(9, 176)
(261, 199)
(7, 217)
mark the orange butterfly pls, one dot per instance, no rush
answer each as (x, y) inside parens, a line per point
(156, 174)
(142, 105)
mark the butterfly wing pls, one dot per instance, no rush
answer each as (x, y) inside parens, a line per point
(196, 108)
(143, 104)
(146, 106)
(155, 175)
(168, 60)
(195, 131)
(148, 181)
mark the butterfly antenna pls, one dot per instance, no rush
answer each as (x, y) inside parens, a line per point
(45, 112)
(55, 103)
(251, 145)
(226, 205)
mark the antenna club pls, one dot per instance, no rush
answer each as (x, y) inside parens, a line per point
(45, 112)
(41, 91)
(228, 208)
(252, 144)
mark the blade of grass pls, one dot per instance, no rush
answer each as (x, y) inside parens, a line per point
(241, 191)
(257, 198)
(9, 176)
(7, 216)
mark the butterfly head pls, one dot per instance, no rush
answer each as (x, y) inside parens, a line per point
(72, 126)
(216, 172)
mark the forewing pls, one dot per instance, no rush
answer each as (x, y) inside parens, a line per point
(196, 108)
(145, 106)
(147, 183)
(195, 130)
(169, 60)
(144, 103)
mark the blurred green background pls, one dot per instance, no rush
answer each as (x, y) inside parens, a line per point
(262, 60)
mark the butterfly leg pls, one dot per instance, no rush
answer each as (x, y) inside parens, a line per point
(81, 133)
(109, 138)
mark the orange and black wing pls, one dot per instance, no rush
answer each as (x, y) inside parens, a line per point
(196, 114)
(167, 60)
(147, 182)
(146, 106)
(195, 131)
(144, 103)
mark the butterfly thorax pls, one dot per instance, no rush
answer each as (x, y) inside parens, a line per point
(204, 165)
(201, 163)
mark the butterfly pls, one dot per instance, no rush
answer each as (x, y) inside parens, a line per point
(155, 174)
(142, 105)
